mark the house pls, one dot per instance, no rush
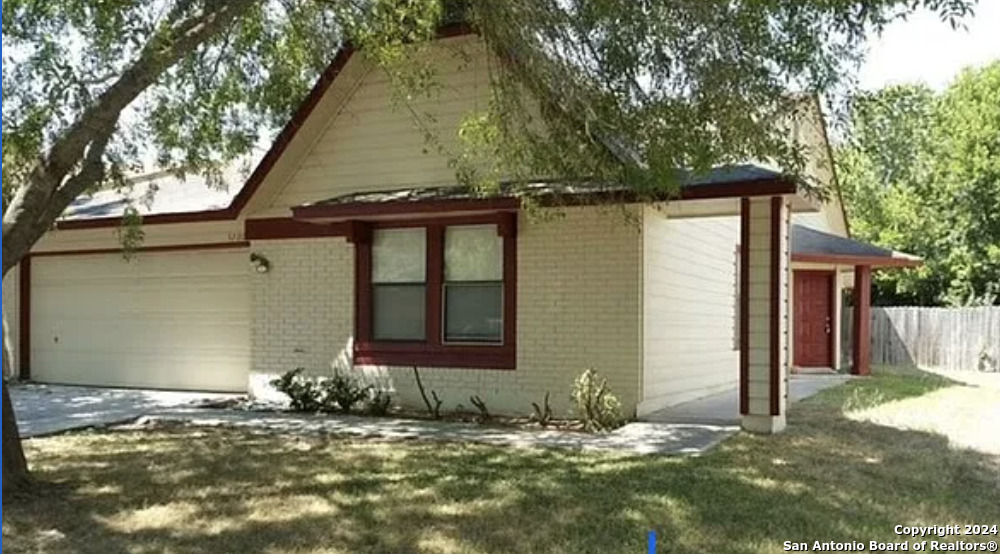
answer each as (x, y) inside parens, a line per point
(350, 247)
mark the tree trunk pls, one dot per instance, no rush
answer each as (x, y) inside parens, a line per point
(15, 466)
(75, 163)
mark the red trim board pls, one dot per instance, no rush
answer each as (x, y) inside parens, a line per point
(778, 214)
(24, 319)
(745, 307)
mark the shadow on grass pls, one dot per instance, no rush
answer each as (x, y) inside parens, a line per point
(185, 490)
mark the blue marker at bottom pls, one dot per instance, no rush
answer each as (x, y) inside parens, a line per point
(652, 542)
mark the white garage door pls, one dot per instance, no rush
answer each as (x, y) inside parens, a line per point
(162, 320)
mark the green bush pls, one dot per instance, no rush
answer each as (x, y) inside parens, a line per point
(340, 393)
(303, 391)
(596, 406)
(379, 402)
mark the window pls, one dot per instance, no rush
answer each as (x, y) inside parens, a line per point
(473, 284)
(399, 285)
(440, 294)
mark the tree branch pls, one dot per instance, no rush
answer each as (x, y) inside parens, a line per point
(92, 171)
(36, 205)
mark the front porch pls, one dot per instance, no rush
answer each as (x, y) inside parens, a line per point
(791, 283)
(832, 274)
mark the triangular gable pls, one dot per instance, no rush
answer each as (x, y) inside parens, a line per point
(812, 132)
(311, 122)
(305, 125)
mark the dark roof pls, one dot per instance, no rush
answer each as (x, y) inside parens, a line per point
(158, 193)
(810, 241)
(742, 173)
(811, 245)
(689, 182)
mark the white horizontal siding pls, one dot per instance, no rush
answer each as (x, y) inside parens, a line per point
(373, 143)
(690, 308)
(815, 220)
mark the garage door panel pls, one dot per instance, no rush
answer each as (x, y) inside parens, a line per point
(165, 320)
(162, 372)
(92, 336)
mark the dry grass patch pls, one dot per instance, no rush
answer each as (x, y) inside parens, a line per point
(184, 490)
(969, 416)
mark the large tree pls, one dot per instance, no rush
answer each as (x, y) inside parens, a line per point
(921, 173)
(626, 90)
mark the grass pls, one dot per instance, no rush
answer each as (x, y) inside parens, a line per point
(968, 415)
(187, 490)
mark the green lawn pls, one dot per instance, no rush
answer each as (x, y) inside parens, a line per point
(184, 490)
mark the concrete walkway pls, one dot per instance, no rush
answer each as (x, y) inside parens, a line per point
(723, 408)
(45, 410)
(688, 429)
(48, 409)
(635, 438)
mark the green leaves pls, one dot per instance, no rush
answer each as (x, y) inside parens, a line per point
(604, 90)
(921, 173)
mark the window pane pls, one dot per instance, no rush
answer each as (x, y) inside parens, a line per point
(473, 253)
(473, 312)
(398, 312)
(399, 256)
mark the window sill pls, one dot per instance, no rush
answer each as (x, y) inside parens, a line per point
(425, 355)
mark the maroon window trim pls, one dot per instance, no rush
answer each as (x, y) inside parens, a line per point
(433, 352)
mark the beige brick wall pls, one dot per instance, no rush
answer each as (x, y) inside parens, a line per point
(302, 311)
(579, 296)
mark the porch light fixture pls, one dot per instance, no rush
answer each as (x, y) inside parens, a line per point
(260, 263)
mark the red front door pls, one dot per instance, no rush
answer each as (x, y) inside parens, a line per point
(814, 318)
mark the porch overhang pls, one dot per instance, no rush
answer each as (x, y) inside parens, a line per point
(816, 247)
(717, 192)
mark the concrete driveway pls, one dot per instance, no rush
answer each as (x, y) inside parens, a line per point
(47, 409)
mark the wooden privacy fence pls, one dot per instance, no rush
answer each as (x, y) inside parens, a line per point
(953, 339)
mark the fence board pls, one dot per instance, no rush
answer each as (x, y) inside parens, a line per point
(954, 339)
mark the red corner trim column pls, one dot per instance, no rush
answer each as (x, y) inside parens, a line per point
(862, 320)
(764, 314)
(779, 298)
(745, 306)
(360, 235)
(24, 319)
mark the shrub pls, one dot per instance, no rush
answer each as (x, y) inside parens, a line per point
(543, 413)
(379, 402)
(987, 363)
(342, 392)
(480, 404)
(301, 390)
(596, 406)
(433, 409)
